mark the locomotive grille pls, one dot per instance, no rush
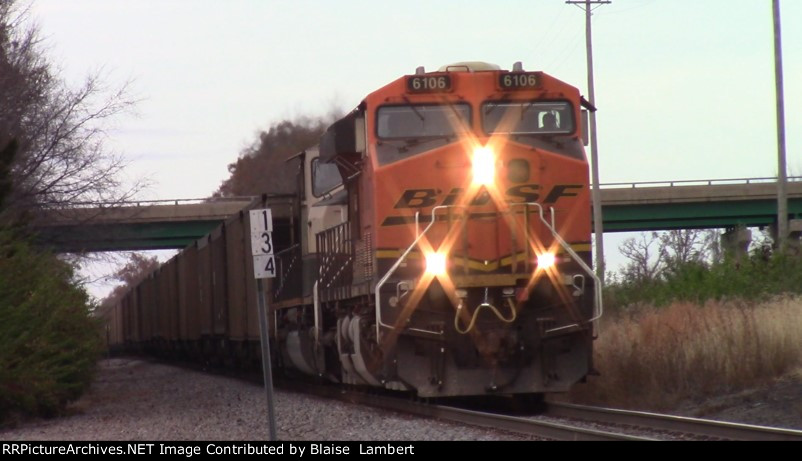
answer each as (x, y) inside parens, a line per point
(364, 260)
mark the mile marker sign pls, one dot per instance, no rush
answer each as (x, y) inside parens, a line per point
(264, 264)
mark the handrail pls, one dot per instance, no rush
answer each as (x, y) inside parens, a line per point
(318, 315)
(598, 307)
(287, 250)
(293, 251)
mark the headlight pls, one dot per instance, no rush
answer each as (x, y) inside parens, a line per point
(545, 260)
(484, 166)
(436, 263)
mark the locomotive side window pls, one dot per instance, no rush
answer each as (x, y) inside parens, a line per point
(527, 117)
(325, 177)
(422, 121)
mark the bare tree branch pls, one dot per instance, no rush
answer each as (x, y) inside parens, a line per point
(653, 255)
(645, 257)
(60, 131)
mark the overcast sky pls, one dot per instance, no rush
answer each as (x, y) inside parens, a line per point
(685, 89)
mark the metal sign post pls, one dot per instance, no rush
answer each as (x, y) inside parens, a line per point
(264, 267)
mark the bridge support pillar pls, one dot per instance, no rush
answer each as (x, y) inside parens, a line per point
(736, 241)
(794, 233)
(793, 243)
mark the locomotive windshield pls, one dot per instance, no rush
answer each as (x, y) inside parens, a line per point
(527, 117)
(422, 121)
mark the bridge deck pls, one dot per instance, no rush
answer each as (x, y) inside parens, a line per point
(142, 226)
(625, 207)
(656, 206)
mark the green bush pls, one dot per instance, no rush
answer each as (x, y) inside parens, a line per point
(756, 277)
(49, 342)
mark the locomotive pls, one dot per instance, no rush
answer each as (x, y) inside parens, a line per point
(437, 241)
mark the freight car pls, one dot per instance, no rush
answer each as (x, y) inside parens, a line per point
(437, 241)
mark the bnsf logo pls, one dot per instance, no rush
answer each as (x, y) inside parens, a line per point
(422, 198)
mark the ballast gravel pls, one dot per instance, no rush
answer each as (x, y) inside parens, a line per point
(134, 399)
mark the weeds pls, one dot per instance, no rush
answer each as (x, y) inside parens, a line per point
(655, 357)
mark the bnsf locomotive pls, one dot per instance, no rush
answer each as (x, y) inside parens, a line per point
(437, 241)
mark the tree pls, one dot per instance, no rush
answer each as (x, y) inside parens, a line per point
(262, 167)
(51, 154)
(134, 271)
(7, 154)
(684, 246)
(48, 341)
(646, 257)
(653, 255)
(60, 159)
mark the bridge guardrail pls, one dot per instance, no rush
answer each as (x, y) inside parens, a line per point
(694, 182)
(141, 203)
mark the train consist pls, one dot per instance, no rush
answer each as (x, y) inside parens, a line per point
(437, 241)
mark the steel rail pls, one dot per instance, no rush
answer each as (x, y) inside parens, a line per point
(527, 426)
(696, 426)
(518, 425)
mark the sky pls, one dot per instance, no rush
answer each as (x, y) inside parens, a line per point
(685, 89)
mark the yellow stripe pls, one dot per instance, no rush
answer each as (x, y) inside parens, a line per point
(395, 254)
(477, 264)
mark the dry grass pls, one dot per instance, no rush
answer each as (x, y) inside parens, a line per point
(661, 356)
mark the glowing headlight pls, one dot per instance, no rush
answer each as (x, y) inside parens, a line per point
(436, 263)
(484, 165)
(545, 260)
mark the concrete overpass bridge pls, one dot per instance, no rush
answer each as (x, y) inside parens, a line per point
(639, 206)
(724, 203)
(145, 225)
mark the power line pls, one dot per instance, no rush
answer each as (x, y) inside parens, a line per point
(596, 3)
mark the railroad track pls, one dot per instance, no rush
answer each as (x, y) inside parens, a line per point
(678, 424)
(528, 426)
(561, 421)
(520, 425)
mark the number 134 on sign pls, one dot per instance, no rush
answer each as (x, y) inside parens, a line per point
(264, 264)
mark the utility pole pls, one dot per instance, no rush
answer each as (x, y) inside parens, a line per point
(782, 187)
(594, 150)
